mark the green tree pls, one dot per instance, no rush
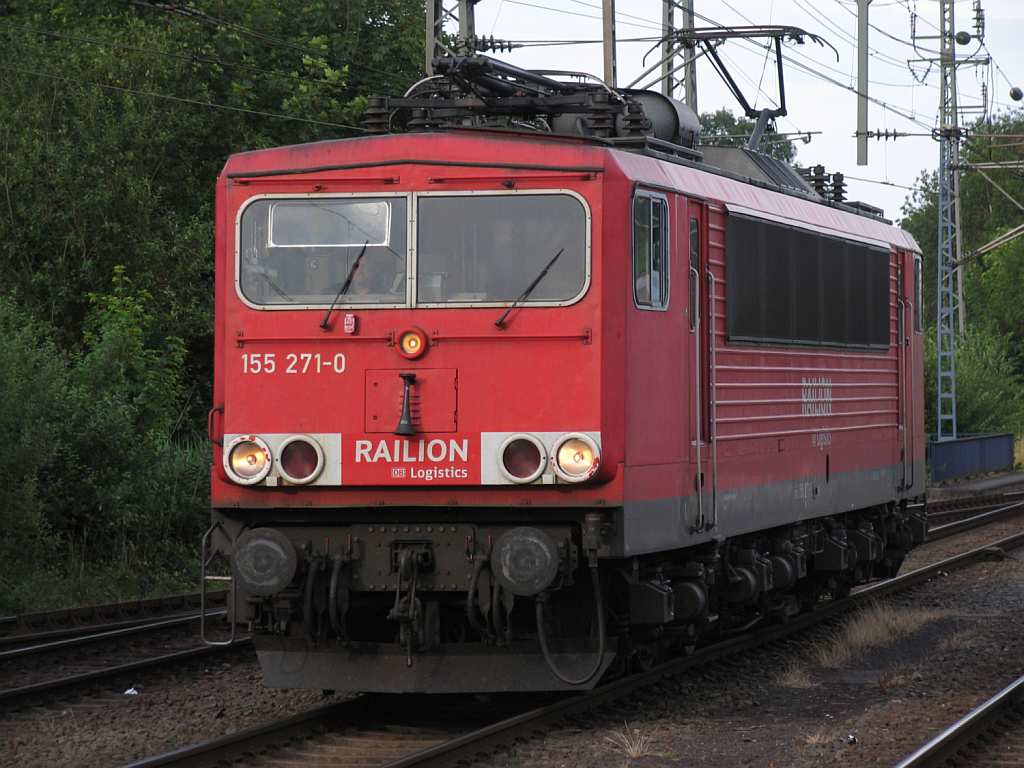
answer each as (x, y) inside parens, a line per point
(990, 390)
(992, 284)
(115, 119)
(100, 165)
(990, 360)
(723, 128)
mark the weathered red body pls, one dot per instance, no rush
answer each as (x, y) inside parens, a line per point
(774, 434)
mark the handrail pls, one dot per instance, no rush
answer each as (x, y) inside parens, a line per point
(203, 579)
(712, 431)
(697, 391)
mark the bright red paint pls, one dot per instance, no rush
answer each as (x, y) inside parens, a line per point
(598, 365)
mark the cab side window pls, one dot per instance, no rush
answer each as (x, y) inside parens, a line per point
(650, 252)
(918, 309)
(694, 271)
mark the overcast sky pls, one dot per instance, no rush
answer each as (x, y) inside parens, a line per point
(814, 105)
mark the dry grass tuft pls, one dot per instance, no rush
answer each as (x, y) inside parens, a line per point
(833, 653)
(896, 677)
(629, 742)
(873, 627)
(960, 640)
(819, 738)
(794, 676)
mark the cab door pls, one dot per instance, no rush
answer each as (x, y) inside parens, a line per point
(698, 308)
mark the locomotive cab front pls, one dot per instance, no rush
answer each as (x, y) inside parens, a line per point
(409, 423)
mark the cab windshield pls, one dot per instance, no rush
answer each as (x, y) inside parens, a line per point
(470, 250)
(301, 251)
(488, 249)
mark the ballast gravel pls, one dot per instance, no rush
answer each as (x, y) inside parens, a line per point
(871, 711)
(167, 711)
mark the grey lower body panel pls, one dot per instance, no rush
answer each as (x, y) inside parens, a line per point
(382, 668)
(652, 526)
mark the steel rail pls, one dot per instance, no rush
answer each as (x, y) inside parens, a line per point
(15, 696)
(947, 744)
(958, 526)
(107, 636)
(954, 502)
(960, 506)
(225, 748)
(504, 733)
(103, 613)
(31, 638)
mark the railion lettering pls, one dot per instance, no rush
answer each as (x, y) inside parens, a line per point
(399, 451)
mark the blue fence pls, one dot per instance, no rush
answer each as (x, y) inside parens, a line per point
(969, 455)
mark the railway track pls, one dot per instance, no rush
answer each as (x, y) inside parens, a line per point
(972, 516)
(989, 736)
(400, 732)
(34, 673)
(44, 626)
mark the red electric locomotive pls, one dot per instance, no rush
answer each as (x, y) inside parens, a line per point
(498, 409)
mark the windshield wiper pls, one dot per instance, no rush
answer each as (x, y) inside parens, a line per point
(325, 323)
(500, 322)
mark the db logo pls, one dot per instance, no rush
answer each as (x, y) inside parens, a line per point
(398, 473)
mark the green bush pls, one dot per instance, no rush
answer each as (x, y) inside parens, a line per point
(990, 392)
(104, 477)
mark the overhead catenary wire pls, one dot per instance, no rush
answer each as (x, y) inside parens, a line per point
(877, 181)
(185, 11)
(180, 99)
(885, 33)
(815, 73)
(646, 25)
(812, 68)
(792, 59)
(185, 57)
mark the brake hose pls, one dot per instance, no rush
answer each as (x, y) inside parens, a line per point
(471, 616)
(542, 598)
(307, 603)
(333, 612)
(496, 621)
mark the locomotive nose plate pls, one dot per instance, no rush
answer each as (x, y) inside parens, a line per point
(443, 553)
(433, 399)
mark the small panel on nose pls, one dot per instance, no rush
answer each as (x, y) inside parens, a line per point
(433, 400)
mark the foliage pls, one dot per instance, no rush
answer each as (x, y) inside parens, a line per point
(96, 171)
(990, 361)
(115, 120)
(723, 128)
(990, 390)
(95, 476)
(985, 214)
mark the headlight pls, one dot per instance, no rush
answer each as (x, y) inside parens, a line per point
(522, 458)
(576, 458)
(301, 460)
(412, 343)
(247, 460)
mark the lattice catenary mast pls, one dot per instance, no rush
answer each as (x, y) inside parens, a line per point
(947, 299)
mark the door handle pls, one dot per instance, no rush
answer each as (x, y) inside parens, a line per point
(209, 425)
